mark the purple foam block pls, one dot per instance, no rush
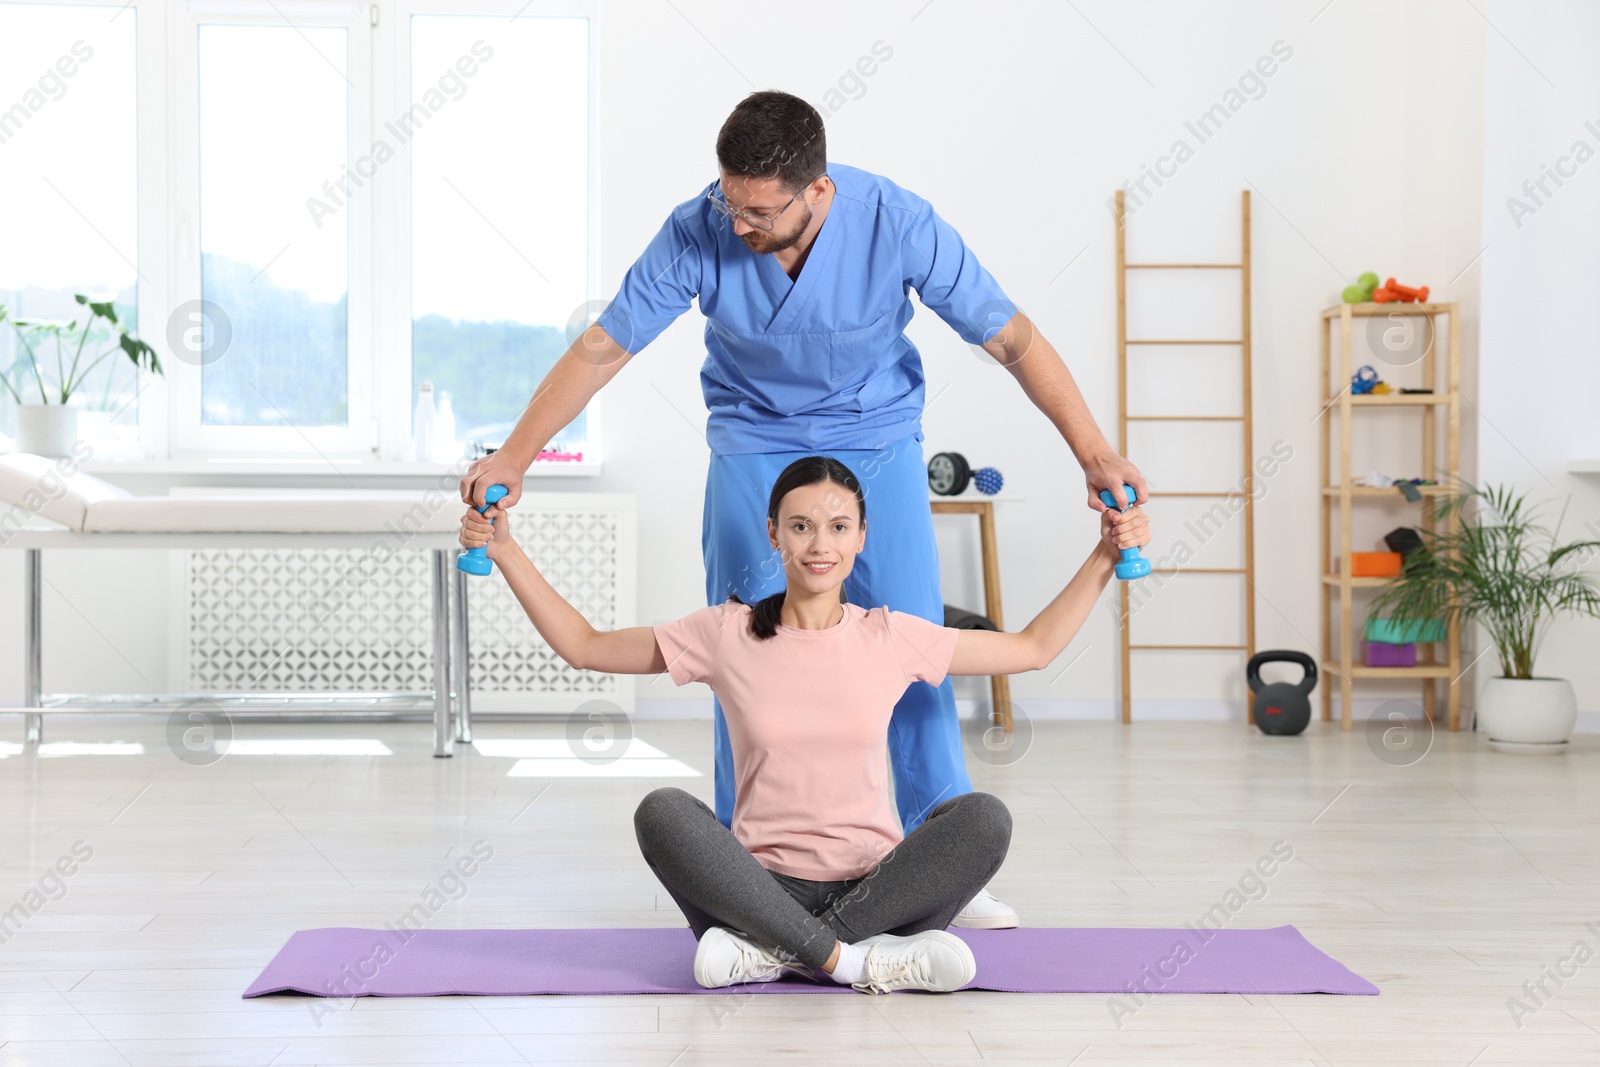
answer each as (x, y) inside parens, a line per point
(1383, 654)
(347, 962)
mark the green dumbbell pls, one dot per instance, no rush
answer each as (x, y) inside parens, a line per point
(1361, 291)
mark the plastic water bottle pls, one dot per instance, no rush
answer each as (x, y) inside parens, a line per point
(423, 425)
(445, 449)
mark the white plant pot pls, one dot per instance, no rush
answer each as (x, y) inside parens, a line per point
(47, 429)
(1533, 715)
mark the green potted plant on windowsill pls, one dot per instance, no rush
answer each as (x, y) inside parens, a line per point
(1503, 569)
(49, 427)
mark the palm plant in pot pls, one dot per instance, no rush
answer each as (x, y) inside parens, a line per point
(1502, 568)
(50, 426)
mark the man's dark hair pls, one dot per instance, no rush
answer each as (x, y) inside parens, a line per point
(774, 135)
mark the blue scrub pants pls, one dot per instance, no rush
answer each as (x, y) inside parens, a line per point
(899, 568)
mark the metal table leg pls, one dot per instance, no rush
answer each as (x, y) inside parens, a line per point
(33, 647)
(443, 736)
(462, 665)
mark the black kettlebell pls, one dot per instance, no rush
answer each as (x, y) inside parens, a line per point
(1282, 707)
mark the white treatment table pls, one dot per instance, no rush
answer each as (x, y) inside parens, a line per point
(47, 503)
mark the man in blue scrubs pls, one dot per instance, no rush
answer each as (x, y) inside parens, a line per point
(803, 268)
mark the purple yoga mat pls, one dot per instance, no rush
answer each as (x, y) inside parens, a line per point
(349, 962)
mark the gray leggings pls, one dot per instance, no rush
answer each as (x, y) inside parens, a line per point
(919, 885)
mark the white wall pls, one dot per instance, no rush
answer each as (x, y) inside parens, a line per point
(1364, 152)
(1540, 373)
(1018, 122)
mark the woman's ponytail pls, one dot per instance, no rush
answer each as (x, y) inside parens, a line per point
(764, 614)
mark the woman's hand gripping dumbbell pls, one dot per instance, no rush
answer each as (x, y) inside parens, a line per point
(1123, 532)
(481, 535)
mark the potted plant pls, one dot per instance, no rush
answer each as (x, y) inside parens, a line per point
(49, 427)
(1501, 568)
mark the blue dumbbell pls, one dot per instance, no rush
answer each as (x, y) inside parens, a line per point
(1133, 565)
(476, 560)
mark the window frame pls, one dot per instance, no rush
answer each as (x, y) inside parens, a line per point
(397, 391)
(190, 435)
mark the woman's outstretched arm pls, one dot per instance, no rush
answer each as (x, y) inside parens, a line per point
(565, 630)
(1043, 639)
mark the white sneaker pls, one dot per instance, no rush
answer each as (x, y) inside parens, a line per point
(933, 961)
(725, 957)
(984, 912)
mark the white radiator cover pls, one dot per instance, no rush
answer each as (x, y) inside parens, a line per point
(360, 620)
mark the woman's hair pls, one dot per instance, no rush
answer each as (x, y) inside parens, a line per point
(811, 470)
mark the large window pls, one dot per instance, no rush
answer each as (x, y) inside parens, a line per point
(68, 207)
(316, 204)
(499, 196)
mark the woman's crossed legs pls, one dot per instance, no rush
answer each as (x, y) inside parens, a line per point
(917, 887)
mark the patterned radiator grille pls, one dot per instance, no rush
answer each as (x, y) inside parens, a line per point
(360, 620)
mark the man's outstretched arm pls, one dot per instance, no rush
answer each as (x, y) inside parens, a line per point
(582, 371)
(1044, 377)
(659, 287)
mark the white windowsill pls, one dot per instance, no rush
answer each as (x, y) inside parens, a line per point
(115, 457)
(317, 467)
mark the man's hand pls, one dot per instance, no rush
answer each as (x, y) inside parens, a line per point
(1108, 470)
(496, 469)
(476, 532)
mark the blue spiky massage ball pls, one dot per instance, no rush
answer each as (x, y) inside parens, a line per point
(988, 480)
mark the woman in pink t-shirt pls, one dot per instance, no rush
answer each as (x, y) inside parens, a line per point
(813, 874)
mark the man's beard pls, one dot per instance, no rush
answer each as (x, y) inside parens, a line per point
(764, 243)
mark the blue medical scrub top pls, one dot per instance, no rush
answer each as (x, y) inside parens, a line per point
(821, 362)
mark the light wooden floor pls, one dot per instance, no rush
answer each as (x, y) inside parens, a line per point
(1449, 883)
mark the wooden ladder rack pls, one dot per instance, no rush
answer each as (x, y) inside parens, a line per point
(1247, 572)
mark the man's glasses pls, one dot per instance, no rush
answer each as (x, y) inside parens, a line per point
(760, 222)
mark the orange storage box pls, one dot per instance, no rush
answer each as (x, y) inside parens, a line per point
(1374, 564)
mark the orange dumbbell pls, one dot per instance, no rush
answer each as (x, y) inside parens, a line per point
(1403, 292)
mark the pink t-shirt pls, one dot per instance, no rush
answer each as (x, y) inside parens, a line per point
(808, 721)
